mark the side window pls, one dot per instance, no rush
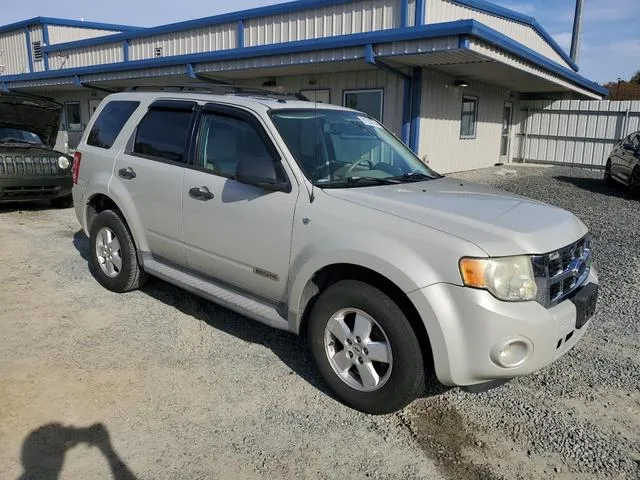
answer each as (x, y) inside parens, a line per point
(367, 101)
(225, 140)
(72, 116)
(164, 134)
(469, 117)
(635, 139)
(109, 123)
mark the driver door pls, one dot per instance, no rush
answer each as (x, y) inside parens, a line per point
(236, 233)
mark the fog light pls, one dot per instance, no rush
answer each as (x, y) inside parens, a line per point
(512, 352)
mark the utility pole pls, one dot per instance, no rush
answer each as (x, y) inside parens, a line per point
(576, 38)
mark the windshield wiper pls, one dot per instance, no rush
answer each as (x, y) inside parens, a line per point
(357, 181)
(414, 177)
(15, 141)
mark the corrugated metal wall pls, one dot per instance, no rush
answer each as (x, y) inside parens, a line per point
(575, 132)
(208, 39)
(440, 140)
(60, 34)
(35, 32)
(444, 11)
(338, 83)
(13, 53)
(83, 57)
(347, 18)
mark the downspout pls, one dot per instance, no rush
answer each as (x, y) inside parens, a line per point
(576, 38)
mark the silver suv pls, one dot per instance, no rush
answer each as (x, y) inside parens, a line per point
(317, 220)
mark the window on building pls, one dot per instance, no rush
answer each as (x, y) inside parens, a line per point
(36, 50)
(164, 134)
(469, 117)
(367, 101)
(225, 140)
(107, 126)
(72, 116)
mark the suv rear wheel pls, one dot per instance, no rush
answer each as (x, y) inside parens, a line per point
(113, 254)
(365, 348)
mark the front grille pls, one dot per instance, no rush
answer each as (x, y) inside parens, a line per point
(560, 273)
(17, 165)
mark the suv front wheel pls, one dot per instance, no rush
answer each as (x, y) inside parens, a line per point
(365, 348)
(113, 257)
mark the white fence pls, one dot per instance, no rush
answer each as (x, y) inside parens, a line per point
(573, 132)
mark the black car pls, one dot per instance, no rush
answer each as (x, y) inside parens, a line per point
(623, 164)
(30, 168)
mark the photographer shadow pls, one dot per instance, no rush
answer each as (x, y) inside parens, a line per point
(44, 449)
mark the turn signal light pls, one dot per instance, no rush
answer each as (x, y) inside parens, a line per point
(75, 170)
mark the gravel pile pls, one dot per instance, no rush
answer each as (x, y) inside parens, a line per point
(581, 415)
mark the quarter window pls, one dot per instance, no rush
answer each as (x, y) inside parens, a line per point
(225, 140)
(367, 101)
(164, 134)
(73, 119)
(469, 118)
(107, 126)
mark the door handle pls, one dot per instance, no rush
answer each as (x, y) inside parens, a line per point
(127, 173)
(200, 193)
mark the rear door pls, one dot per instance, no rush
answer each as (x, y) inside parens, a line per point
(151, 170)
(233, 232)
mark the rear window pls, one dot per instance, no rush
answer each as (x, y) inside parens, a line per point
(107, 126)
(163, 134)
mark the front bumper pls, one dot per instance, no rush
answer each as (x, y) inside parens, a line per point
(467, 327)
(21, 188)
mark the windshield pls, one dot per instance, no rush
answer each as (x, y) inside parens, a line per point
(15, 135)
(338, 149)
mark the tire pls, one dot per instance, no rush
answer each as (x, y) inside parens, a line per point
(62, 202)
(400, 380)
(634, 180)
(608, 180)
(125, 273)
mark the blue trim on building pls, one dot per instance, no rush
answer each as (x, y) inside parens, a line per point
(421, 6)
(406, 111)
(493, 9)
(45, 40)
(3, 87)
(404, 13)
(125, 50)
(66, 23)
(460, 27)
(190, 72)
(463, 42)
(240, 40)
(416, 103)
(369, 55)
(27, 36)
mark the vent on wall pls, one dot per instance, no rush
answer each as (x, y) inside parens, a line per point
(158, 52)
(37, 50)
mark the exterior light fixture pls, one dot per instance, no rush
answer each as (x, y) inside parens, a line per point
(461, 83)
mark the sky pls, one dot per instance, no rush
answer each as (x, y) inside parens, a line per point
(610, 42)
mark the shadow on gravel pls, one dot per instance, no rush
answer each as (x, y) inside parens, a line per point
(289, 348)
(35, 206)
(44, 449)
(596, 185)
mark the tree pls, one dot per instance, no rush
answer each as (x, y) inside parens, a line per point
(635, 78)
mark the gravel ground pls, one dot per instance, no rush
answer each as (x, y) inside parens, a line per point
(161, 384)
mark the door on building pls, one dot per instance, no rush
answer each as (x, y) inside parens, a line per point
(505, 141)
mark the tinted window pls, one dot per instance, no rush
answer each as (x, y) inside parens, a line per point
(227, 139)
(367, 101)
(164, 134)
(469, 117)
(107, 126)
(72, 116)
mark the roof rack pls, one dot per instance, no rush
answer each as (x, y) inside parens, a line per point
(221, 89)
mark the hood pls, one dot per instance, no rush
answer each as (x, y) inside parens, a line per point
(33, 114)
(498, 222)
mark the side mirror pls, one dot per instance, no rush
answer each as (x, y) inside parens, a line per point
(628, 146)
(260, 172)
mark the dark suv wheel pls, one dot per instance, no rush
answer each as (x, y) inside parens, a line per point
(113, 257)
(365, 348)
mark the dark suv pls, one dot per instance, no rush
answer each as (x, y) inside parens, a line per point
(623, 164)
(30, 168)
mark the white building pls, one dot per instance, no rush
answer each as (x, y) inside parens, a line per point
(445, 75)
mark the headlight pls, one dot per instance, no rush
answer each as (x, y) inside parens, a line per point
(63, 163)
(507, 278)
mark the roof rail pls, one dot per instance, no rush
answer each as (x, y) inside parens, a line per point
(221, 89)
